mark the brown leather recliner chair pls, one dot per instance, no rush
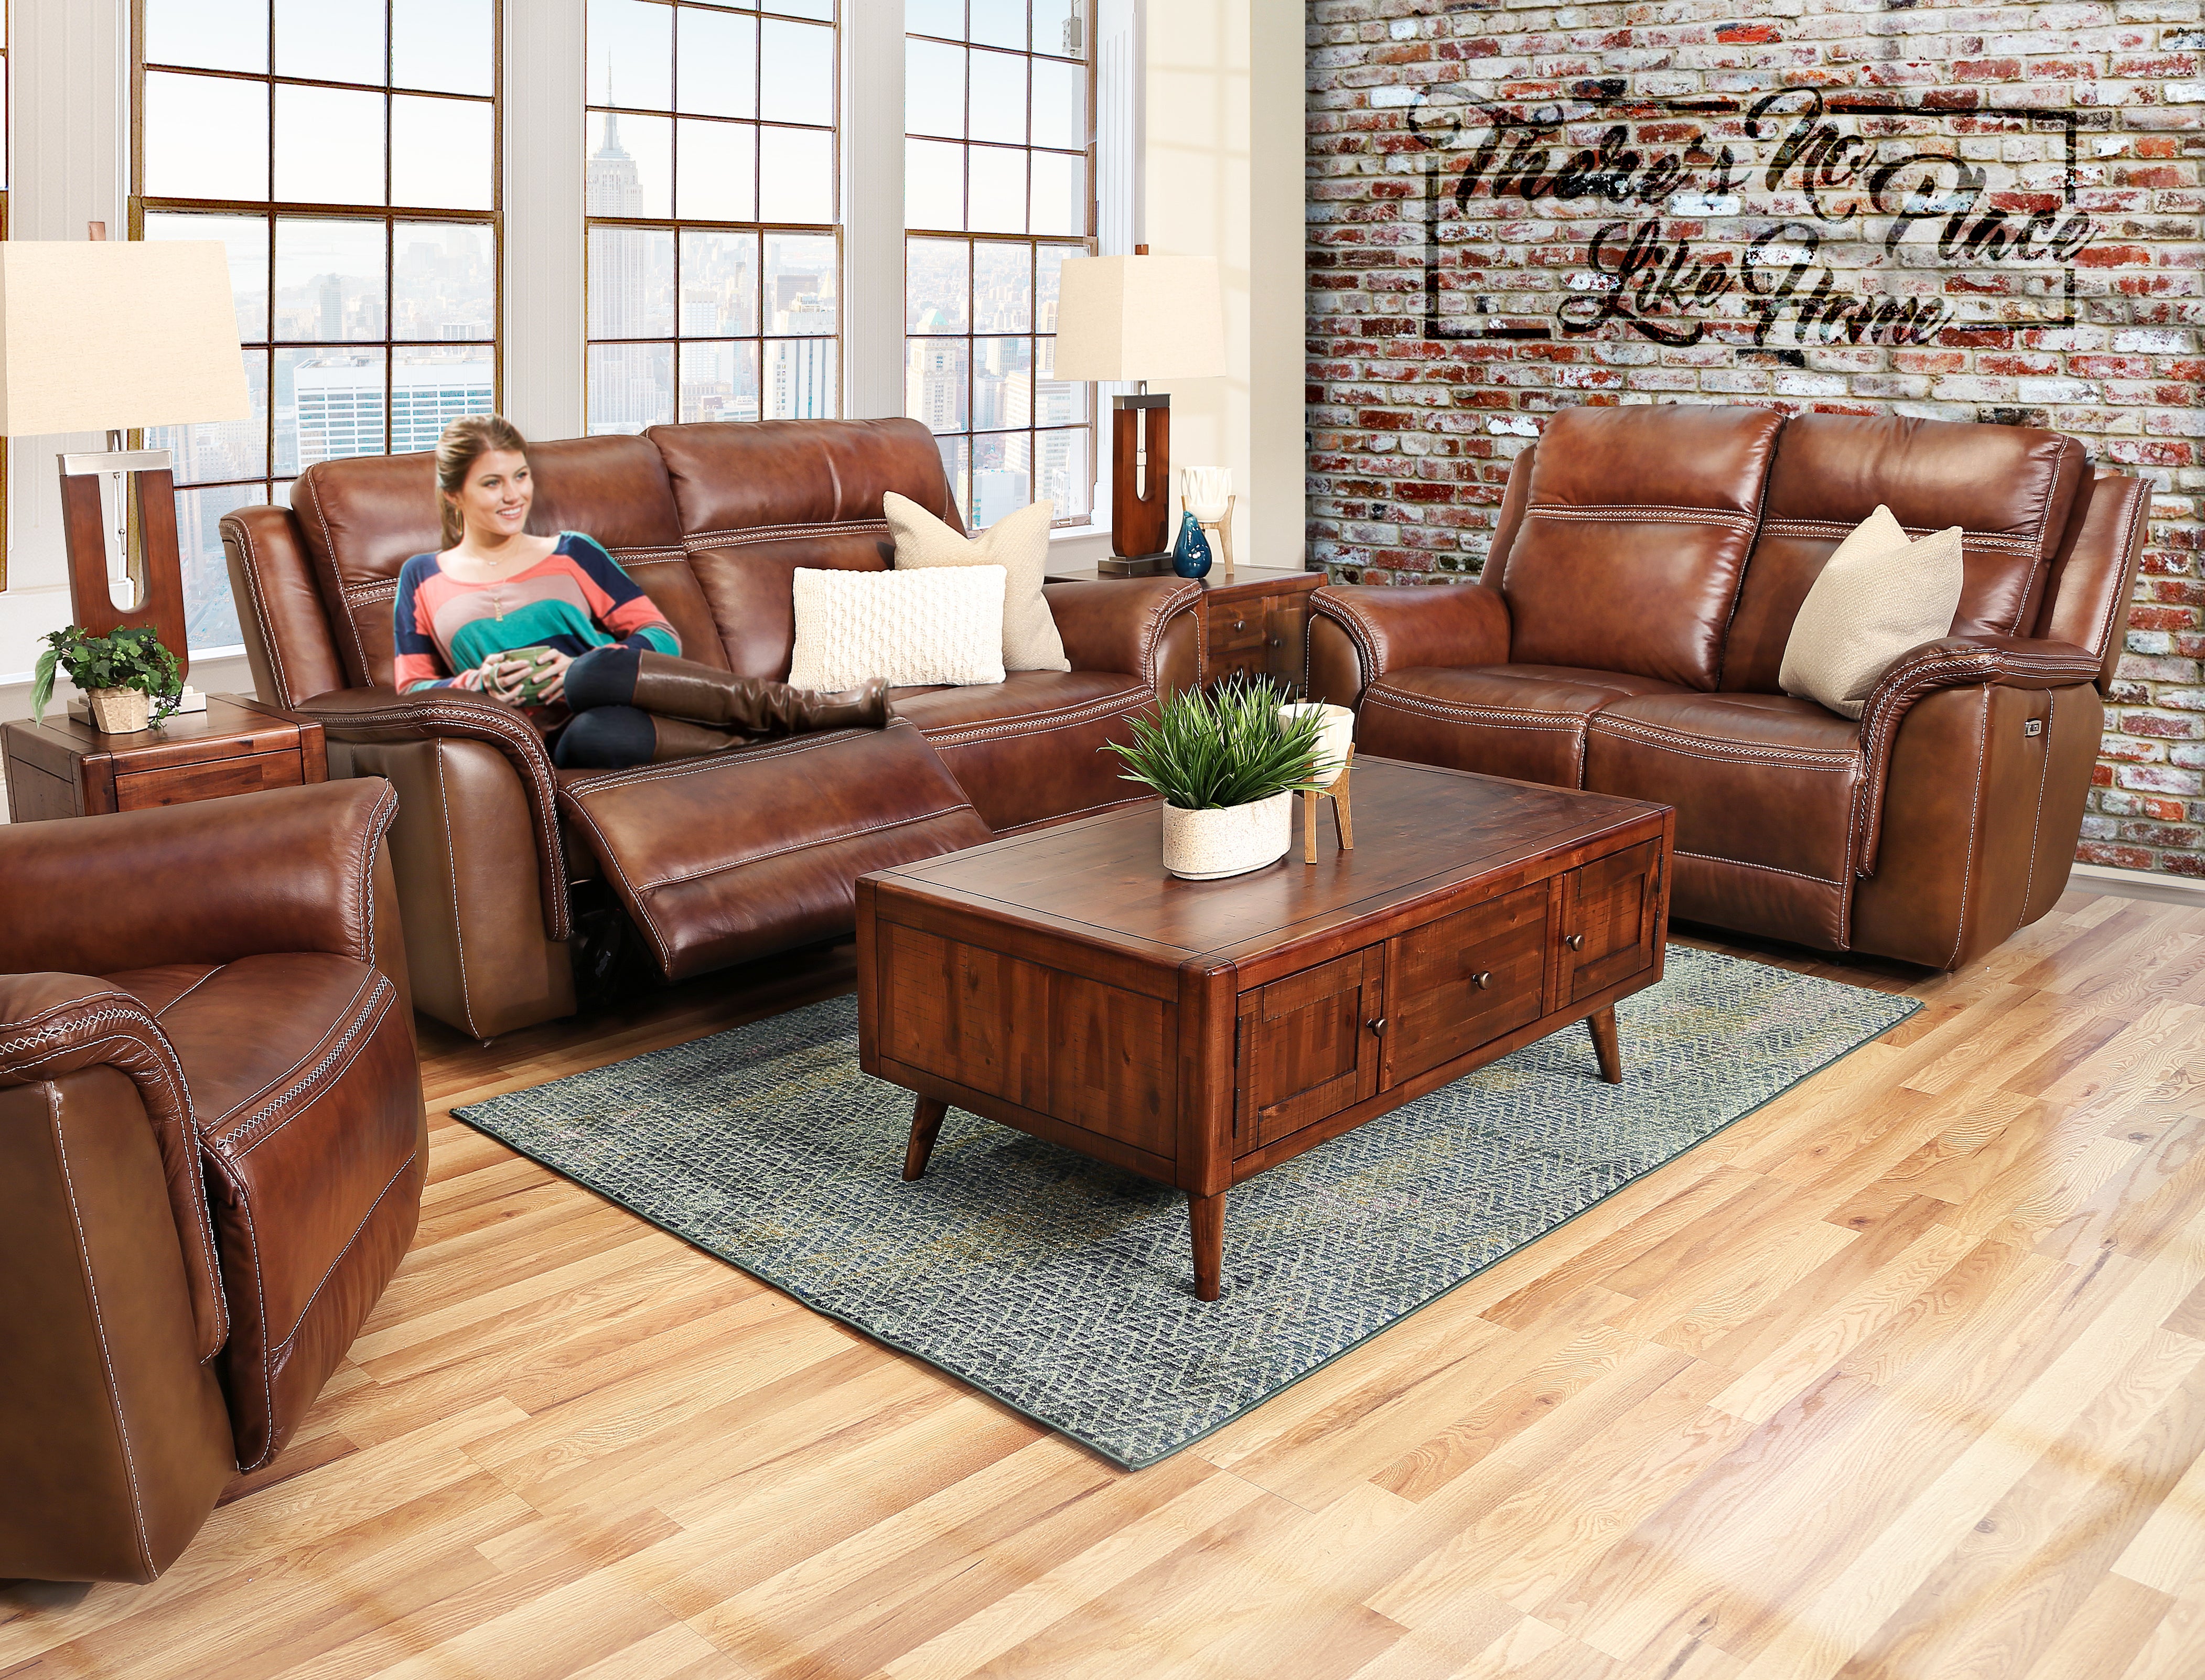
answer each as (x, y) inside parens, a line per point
(212, 1152)
(1630, 624)
(714, 860)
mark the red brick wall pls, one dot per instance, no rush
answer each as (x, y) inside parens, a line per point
(1960, 213)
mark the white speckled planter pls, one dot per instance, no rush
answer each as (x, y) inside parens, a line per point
(1210, 845)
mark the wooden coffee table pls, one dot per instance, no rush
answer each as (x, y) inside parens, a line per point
(1197, 1032)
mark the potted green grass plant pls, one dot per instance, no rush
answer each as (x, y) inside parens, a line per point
(1228, 765)
(121, 674)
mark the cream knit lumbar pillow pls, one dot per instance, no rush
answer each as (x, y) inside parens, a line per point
(1879, 595)
(918, 629)
(1018, 542)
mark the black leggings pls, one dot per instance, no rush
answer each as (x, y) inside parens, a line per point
(607, 731)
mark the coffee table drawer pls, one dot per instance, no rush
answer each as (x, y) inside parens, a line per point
(1463, 980)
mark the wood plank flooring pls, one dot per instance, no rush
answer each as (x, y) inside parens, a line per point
(1902, 1378)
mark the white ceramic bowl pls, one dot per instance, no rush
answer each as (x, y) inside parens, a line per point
(1210, 845)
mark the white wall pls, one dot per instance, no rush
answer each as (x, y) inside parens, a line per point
(69, 63)
(1222, 177)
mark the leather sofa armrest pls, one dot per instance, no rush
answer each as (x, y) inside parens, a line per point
(1119, 624)
(290, 868)
(375, 715)
(1397, 627)
(52, 1025)
(1952, 662)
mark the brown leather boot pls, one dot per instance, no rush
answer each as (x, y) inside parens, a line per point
(672, 739)
(669, 687)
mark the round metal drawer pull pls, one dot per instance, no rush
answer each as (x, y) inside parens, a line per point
(1575, 941)
(1239, 624)
(1378, 1025)
(1483, 980)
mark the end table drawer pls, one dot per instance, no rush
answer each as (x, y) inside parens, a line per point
(142, 790)
(1466, 979)
(1238, 629)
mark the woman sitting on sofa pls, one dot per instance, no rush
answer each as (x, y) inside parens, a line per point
(552, 625)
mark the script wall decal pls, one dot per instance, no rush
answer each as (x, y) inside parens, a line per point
(1790, 219)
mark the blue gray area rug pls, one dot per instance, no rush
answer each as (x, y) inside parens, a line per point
(1066, 1288)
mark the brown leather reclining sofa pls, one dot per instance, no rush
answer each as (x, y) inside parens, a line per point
(211, 1153)
(1630, 624)
(714, 860)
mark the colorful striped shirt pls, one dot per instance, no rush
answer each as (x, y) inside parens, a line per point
(575, 598)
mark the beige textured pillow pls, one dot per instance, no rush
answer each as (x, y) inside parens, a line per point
(916, 629)
(1879, 595)
(1018, 542)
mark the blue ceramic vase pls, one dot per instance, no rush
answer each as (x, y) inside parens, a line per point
(1191, 554)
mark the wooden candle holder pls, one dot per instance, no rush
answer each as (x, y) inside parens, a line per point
(1343, 812)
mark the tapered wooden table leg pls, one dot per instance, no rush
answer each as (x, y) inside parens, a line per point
(1605, 1045)
(926, 1127)
(1206, 1214)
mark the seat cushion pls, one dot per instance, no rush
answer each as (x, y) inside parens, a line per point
(307, 1099)
(1522, 721)
(739, 854)
(1634, 534)
(1766, 789)
(1030, 748)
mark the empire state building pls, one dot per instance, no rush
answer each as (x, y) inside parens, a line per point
(626, 383)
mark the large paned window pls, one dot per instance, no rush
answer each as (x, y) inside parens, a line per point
(346, 151)
(709, 197)
(999, 174)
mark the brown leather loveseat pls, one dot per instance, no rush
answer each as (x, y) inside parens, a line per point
(1627, 631)
(714, 860)
(212, 1153)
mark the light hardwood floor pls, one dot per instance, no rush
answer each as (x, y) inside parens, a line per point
(1902, 1376)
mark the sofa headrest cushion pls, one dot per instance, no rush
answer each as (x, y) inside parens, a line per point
(1635, 532)
(731, 476)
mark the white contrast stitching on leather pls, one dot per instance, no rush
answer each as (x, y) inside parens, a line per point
(1487, 716)
(1975, 809)
(2043, 774)
(1741, 863)
(260, 609)
(275, 1354)
(664, 881)
(99, 1326)
(335, 1061)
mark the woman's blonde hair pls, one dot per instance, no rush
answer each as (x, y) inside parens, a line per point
(464, 443)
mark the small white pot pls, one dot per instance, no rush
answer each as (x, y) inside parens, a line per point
(117, 711)
(1210, 845)
(1335, 737)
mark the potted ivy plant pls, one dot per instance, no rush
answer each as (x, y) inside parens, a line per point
(1228, 765)
(121, 674)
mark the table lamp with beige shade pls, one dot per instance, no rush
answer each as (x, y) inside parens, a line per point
(1132, 320)
(104, 336)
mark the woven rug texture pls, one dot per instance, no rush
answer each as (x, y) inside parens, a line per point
(1066, 1288)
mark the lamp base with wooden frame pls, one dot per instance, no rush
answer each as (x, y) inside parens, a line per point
(1140, 487)
(158, 573)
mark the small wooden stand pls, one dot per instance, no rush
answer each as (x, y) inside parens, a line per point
(1220, 533)
(1343, 812)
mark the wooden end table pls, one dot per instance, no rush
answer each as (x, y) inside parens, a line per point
(1257, 624)
(1198, 1032)
(63, 768)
